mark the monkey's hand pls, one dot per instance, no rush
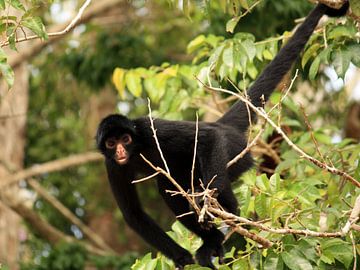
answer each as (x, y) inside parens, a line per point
(207, 251)
(183, 260)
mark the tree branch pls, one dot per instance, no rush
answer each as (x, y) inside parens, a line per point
(51, 166)
(47, 231)
(90, 234)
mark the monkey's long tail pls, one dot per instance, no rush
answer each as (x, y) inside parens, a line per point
(265, 84)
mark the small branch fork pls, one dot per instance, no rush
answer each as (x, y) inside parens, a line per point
(213, 209)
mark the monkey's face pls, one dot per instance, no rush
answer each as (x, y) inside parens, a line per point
(118, 148)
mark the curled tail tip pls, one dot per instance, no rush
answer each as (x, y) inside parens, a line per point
(332, 12)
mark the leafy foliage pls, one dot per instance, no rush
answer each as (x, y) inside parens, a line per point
(99, 58)
(73, 256)
(342, 50)
(10, 26)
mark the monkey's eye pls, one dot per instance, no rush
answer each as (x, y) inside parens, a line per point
(126, 139)
(110, 143)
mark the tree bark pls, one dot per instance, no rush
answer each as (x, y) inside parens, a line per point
(13, 108)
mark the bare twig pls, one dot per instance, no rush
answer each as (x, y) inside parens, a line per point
(247, 149)
(145, 178)
(287, 91)
(310, 129)
(156, 139)
(354, 216)
(194, 156)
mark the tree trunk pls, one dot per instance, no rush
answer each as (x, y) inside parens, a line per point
(13, 108)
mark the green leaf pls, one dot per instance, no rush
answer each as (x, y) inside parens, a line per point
(133, 83)
(309, 53)
(8, 73)
(338, 249)
(267, 54)
(231, 24)
(308, 248)
(145, 263)
(16, 4)
(196, 43)
(322, 138)
(11, 37)
(314, 68)
(244, 36)
(244, 4)
(241, 264)
(252, 71)
(261, 206)
(216, 55)
(36, 25)
(259, 51)
(296, 261)
(249, 48)
(5, 69)
(228, 57)
(355, 7)
(341, 31)
(354, 51)
(240, 57)
(341, 61)
(2, 4)
(273, 262)
(118, 79)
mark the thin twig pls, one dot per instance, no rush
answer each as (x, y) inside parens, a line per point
(286, 93)
(145, 178)
(247, 149)
(156, 139)
(194, 156)
(310, 129)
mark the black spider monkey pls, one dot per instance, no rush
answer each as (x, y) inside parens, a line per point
(121, 140)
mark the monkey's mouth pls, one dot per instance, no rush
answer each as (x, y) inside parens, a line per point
(121, 160)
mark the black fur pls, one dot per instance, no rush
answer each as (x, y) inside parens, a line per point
(218, 143)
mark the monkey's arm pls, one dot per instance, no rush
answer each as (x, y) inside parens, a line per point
(128, 201)
(212, 158)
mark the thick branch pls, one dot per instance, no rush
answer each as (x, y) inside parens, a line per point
(90, 234)
(48, 232)
(51, 166)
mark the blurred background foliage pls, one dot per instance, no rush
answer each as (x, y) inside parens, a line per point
(162, 50)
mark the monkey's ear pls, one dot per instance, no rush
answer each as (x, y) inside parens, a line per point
(332, 12)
